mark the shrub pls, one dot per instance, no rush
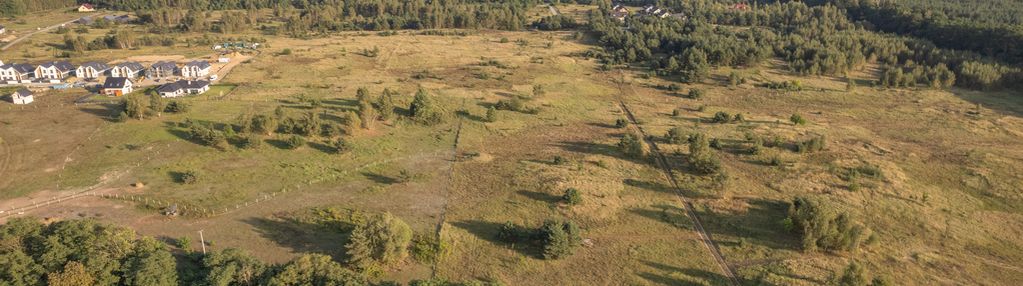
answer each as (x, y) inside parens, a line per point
(821, 226)
(739, 118)
(797, 119)
(701, 158)
(250, 142)
(382, 239)
(491, 114)
(813, 145)
(558, 160)
(177, 107)
(715, 143)
(722, 117)
(695, 93)
(572, 197)
(621, 123)
(286, 52)
(341, 146)
(675, 135)
(206, 135)
(294, 142)
(188, 177)
(424, 110)
(632, 146)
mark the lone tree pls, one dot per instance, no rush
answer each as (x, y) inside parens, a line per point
(701, 157)
(424, 110)
(385, 104)
(382, 239)
(632, 146)
(572, 197)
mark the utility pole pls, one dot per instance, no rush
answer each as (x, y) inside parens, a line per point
(202, 241)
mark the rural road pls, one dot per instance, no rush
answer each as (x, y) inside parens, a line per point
(686, 203)
(26, 36)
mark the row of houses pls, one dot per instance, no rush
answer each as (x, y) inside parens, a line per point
(59, 70)
(119, 86)
(620, 12)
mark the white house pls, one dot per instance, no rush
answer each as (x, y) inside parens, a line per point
(196, 69)
(117, 86)
(91, 70)
(183, 87)
(16, 73)
(22, 96)
(127, 69)
(3, 30)
(162, 70)
(54, 71)
(86, 8)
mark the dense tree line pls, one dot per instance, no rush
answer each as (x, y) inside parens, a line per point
(813, 40)
(10, 8)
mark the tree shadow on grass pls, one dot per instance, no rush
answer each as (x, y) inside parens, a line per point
(599, 149)
(107, 111)
(322, 147)
(488, 231)
(760, 224)
(278, 143)
(668, 214)
(470, 116)
(701, 276)
(380, 178)
(650, 185)
(540, 196)
(303, 236)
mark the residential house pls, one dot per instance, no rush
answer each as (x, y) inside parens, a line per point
(740, 6)
(196, 69)
(3, 30)
(127, 69)
(16, 73)
(183, 87)
(91, 70)
(86, 7)
(162, 70)
(117, 86)
(619, 12)
(54, 71)
(22, 96)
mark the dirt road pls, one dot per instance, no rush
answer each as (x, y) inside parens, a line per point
(43, 30)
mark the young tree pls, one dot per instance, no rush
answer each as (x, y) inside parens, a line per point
(491, 114)
(559, 238)
(632, 145)
(385, 104)
(263, 124)
(572, 197)
(294, 142)
(853, 275)
(797, 119)
(382, 239)
(424, 110)
(821, 226)
(341, 146)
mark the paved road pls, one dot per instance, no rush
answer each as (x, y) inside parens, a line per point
(26, 36)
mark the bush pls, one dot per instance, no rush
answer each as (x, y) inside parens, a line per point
(188, 177)
(286, 52)
(821, 226)
(250, 142)
(294, 142)
(382, 239)
(491, 114)
(813, 145)
(177, 107)
(424, 110)
(621, 123)
(695, 93)
(722, 117)
(797, 119)
(675, 135)
(341, 146)
(701, 157)
(572, 197)
(558, 160)
(207, 136)
(632, 146)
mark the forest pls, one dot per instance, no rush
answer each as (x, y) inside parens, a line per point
(10, 8)
(813, 40)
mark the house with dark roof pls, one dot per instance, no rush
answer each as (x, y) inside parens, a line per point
(183, 87)
(16, 73)
(162, 69)
(127, 69)
(91, 70)
(54, 71)
(117, 86)
(196, 69)
(22, 96)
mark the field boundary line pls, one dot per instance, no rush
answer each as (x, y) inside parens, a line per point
(687, 204)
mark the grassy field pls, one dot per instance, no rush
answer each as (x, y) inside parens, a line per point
(946, 209)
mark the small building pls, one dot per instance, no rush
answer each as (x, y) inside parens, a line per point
(117, 86)
(162, 69)
(91, 70)
(620, 16)
(127, 69)
(22, 96)
(183, 87)
(86, 7)
(54, 71)
(16, 73)
(224, 59)
(196, 69)
(3, 30)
